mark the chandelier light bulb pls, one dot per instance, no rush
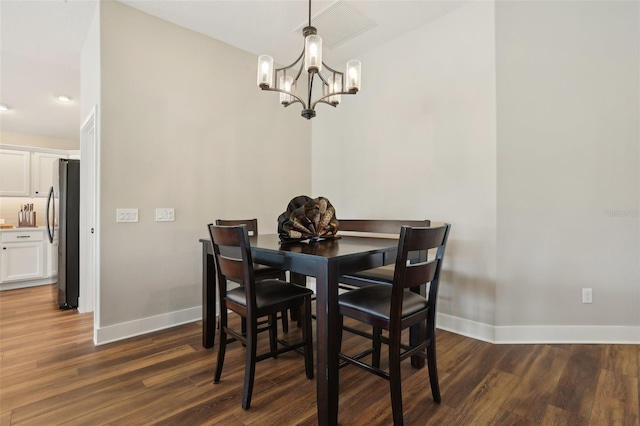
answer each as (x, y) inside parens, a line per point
(335, 86)
(286, 84)
(313, 53)
(265, 71)
(353, 76)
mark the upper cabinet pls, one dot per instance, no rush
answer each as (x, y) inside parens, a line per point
(27, 173)
(42, 172)
(15, 173)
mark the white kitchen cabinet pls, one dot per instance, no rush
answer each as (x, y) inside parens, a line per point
(15, 173)
(42, 172)
(22, 255)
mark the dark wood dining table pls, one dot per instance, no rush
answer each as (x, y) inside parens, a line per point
(326, 260)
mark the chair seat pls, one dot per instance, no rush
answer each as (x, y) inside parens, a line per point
(261, 269)
(269, 293)
(375, 300)
(383, 275)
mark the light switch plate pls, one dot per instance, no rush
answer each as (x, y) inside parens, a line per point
(165, 214)
(126, 215)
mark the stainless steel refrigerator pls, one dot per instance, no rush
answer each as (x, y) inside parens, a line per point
(63, 227)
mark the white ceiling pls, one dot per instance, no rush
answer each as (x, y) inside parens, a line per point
(40, 42)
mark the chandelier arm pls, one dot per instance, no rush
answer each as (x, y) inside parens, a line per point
(310, 86)
(322, 78)
(324, 64)
(293, 64)
(321, 98)
(270, 89)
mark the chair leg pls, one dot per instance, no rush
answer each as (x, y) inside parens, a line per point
(250, 365)
(433, 366)
(285, 321)
(273, 333)
(375, 357)
(223, 346)
(307, 336)
(395, 382)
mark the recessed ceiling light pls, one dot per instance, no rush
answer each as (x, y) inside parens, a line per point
(5, 107)
(63, 98)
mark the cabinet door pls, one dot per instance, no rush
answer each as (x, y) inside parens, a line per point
(22, 261)
(15, 173)
(42, 172)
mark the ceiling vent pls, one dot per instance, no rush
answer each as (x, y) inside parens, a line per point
(338, 23)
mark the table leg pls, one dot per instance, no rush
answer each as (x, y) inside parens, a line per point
(208, 297)
(328, 345)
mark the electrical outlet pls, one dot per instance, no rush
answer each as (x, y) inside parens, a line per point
(165, 214)
(587, 295)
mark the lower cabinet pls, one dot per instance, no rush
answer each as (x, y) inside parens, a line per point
(27, 258)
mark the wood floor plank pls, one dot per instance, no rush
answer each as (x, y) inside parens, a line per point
(536, 386)
(555, 416)
(615, 399)
(576, 388)
(622, 359)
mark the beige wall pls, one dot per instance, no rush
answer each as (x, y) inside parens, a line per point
(568, 156)
(419, 143)
(182, 125)
(518, 122)
(20, 139)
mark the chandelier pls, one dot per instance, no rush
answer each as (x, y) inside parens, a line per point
(285, 80)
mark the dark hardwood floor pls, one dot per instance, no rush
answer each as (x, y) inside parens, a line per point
(51, 373)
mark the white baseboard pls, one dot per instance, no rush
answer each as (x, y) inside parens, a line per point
(591, 334)
(125, 330)
(540, 334)
(465, 327)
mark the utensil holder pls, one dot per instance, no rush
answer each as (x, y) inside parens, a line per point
(26, 219)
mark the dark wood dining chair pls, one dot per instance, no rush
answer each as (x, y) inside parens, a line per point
(252, 301)
(399, 306)
(375, 227)
(261, 272)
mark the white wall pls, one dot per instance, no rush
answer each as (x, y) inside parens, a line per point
(182, 125)
(568, 147)
(418, 142)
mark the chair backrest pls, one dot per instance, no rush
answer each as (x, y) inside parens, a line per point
(232, 255)
(412, 275)
(385, 228)
(379, 226)
(252, 224)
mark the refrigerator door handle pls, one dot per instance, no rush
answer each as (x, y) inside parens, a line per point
(50, 226)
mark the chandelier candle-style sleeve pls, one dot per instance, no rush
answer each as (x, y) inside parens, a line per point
(285, 80)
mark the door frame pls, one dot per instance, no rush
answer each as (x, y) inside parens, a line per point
(89, 217)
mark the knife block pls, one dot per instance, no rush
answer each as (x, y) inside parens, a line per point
(26, 219)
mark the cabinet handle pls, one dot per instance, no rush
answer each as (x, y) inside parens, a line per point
(23, 236)
(4, 248)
